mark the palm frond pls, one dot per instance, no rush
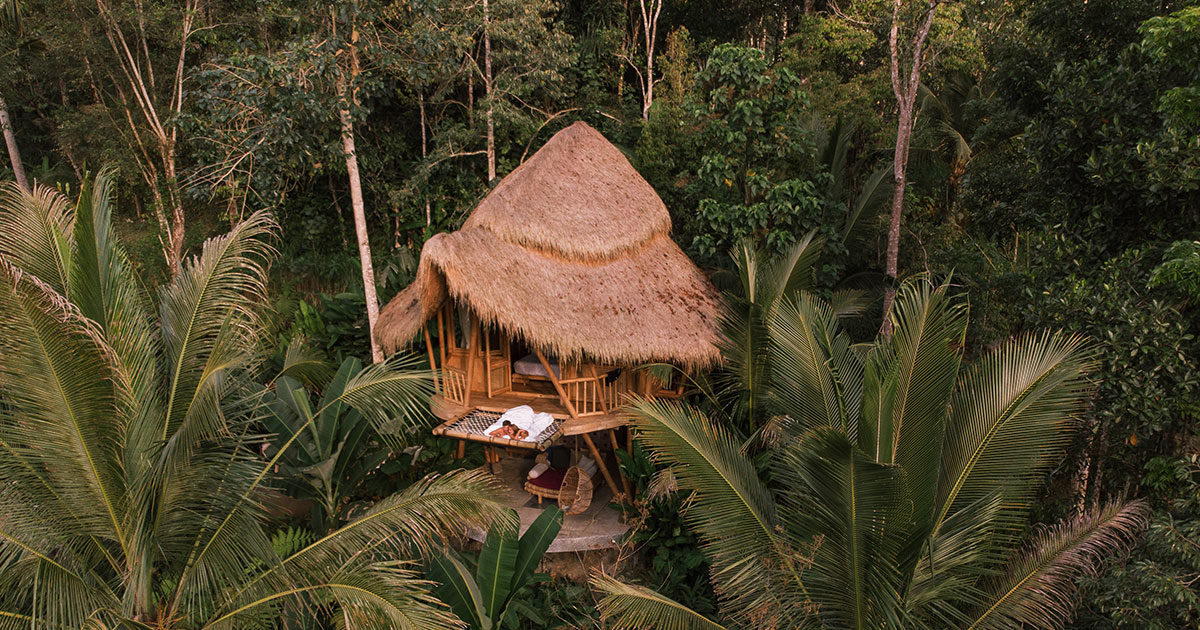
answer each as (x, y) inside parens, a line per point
(959, 145)
(421, 517)
(393, 395)
(733, 513)
(1039, 589)
(741, 382)
(377, 595)
(206, 328)
(303, 364)
(379, 392)
(793, 271)
(1012, 413)
(208, 525)
(848, 303)
(632, 607)
(857, 512)
(744, 340)
(875, 190)
(106, 291)
(35, 233)
(944, 584)
(56, 376)
(55, 587)
(907, 386)
(816, 378)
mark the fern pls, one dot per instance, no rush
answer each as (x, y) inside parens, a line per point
(288, 541)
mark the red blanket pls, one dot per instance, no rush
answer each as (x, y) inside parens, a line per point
(551, 479)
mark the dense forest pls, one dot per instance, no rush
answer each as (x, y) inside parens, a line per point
(1040, 158)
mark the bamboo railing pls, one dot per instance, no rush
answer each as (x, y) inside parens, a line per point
(454, 385)
(590, 395)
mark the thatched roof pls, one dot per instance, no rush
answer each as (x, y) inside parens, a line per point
(571, 253)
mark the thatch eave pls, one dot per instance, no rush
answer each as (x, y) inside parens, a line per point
(650, 306)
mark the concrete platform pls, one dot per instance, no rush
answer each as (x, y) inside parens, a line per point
(600, 527)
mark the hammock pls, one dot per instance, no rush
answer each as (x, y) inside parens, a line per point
(472, 425)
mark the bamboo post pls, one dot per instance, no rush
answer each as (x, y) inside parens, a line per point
(487, 362)
(612, 435)
(432, 365)
(562, 394)
(599, 391)
(474, 343)
(442, 336)
(587, 438)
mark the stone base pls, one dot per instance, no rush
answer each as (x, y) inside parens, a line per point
(600, 527)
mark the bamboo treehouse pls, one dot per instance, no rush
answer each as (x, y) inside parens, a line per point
(560, 283)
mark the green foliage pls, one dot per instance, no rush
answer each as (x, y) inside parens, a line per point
(675, 566)
(1173, 41)
(558, 604)
(1180, 269)
(288, 541)
(337, 328)
(1103, 163)
(1154, 587)
(331, 452)
(130, 442)
(1055, 177)
(490, 597)
(896, 485)
(1148, 378)
(747, 159)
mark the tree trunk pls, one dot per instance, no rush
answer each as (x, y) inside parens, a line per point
(140, 100)
(487, 89)
(346, 91)
(650, 27)
(14, 152)
(899, 172)
(424, 154)
(905, 90)
(174, 249)
(471, 98)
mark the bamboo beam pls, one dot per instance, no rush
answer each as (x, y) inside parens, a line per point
(562, 394)
(474, 343)
(612, 435)
(599, 390)
(442, 336)
(608, 478)
(487, 362)
(437, 386)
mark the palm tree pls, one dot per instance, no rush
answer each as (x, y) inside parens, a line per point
(891, 488)
(753, 293)
(132, 492)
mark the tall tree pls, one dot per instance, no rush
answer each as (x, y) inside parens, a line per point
(905, 87)
(650, 11)
(147, 104)
(10, 20)
(524, 55)
(269, 108)
(10, 141)
(488, 86)
(347, 91)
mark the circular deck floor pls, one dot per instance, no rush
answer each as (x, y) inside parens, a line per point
(599, 527)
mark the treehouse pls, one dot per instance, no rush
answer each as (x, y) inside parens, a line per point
(559, 285)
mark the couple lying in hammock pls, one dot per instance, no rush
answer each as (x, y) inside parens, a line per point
(520, 423)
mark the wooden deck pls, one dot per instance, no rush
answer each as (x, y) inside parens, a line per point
(547, 403)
